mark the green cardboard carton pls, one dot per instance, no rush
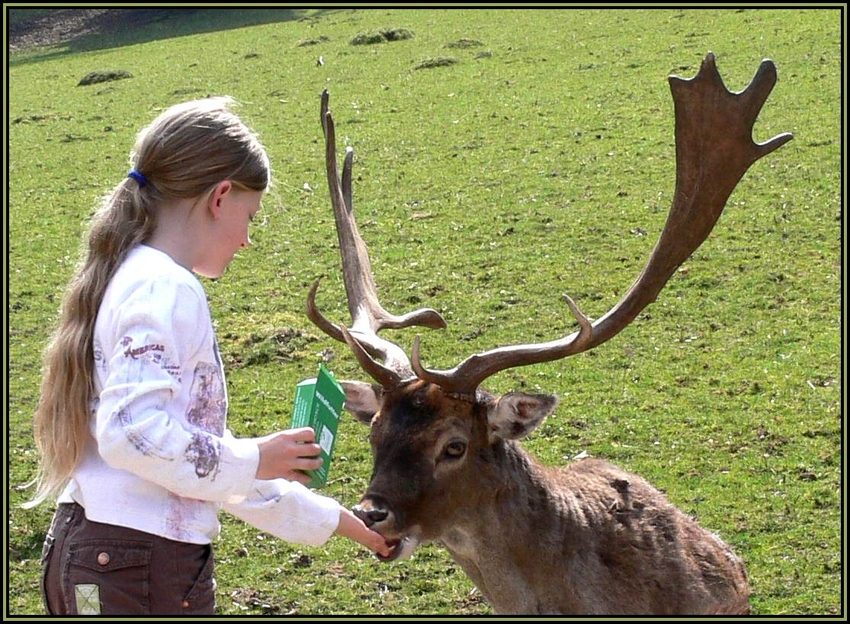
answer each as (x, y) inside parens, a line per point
(318, 404)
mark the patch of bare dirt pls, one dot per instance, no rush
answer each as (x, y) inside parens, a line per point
(64, 25)
(59, 26)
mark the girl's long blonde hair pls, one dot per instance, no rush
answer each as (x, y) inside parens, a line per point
(185, 152)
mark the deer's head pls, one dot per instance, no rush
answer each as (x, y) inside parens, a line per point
(436, 453)
(435, 434)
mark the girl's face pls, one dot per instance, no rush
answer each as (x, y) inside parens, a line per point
(229, 231)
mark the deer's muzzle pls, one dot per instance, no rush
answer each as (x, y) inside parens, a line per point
(377, 516)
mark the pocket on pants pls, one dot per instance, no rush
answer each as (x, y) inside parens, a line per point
(108, 577)
(201, 598)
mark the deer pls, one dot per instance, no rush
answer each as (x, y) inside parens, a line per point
(448, 467)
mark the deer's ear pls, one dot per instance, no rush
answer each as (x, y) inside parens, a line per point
(362, 400)
(515, 415)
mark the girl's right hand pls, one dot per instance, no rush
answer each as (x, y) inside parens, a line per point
(286, 454)
(352, 527)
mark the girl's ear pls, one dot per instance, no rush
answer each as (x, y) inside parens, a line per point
(217, 195)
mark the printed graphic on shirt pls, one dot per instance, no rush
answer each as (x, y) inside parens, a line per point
(155, 350)
(153, 353)
(135, 438)
(208, 405)
(204, 453)
(100, 362)
(182, 513)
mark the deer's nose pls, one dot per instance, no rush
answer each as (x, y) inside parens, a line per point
(370, 512)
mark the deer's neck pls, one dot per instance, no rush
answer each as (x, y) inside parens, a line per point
(502, 538)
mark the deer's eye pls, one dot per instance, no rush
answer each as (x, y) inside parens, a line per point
(455, 449)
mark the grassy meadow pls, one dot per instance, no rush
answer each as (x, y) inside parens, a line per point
(503, 157)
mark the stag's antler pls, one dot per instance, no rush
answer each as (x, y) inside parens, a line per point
(714, 148)
(367, 315)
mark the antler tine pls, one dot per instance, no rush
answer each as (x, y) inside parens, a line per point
(347, 165)
(367, 315)
(320, 320)
(714, 149)
(384, 375)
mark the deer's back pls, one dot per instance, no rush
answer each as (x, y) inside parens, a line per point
(626, 549)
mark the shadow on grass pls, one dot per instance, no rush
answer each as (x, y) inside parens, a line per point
(53, 33)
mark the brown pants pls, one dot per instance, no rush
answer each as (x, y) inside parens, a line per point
(89, 568)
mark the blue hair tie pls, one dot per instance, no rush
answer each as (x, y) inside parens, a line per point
(138, 176)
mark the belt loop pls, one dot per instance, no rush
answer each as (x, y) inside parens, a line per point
(76, 510)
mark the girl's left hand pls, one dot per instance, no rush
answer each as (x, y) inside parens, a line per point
(286, 454)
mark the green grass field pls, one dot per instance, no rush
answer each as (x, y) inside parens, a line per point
(541, 162)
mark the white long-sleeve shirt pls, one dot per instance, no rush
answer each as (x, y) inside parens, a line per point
(160, 458)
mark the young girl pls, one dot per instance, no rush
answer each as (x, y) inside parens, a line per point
(131, 425)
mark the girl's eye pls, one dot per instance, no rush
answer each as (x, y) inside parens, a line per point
(455, 449)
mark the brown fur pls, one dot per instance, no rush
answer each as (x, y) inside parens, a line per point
(585, 539)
